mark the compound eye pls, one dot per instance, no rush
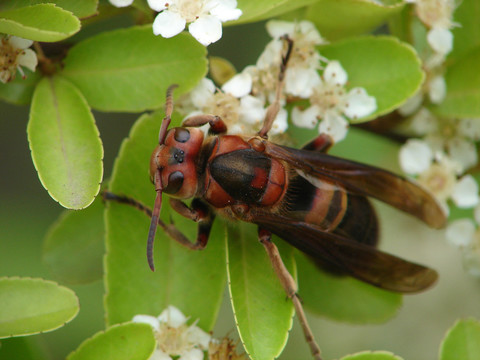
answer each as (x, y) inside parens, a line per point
(181, 135)
(175, 182)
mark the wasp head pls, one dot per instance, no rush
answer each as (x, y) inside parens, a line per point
(176, 159)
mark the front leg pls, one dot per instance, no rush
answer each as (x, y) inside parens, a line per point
(204, 217)
(217, 125)
(290, 287)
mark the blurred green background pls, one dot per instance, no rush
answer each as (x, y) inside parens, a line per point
(27, 211)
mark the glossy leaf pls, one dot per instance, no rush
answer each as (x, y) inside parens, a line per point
(20, 91)
(337, 19)
(131, 341)
(65, 144)
(463, 89)
(372, 355)
(31, 306)
(130, 69)
(80, 9)
(74, 246)
(262, 311)
(255, 10)
(388, 69)
(462, 341)
(184, 278)
(343, 298)
(35, 22)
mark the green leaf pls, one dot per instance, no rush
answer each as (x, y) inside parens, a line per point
(462, 341)
(131, 69)
(388, 69)
(35, 23)
(337, 19)
(463, 88)
(74, 245)
(65, 144)
(343, 298)
(372, 355)
(30, 306)
(262, 310)
(467, 36)
(80, 9)
(255, 10)
(131, 341)
(25, 348)
(184, 278)
(20, 91)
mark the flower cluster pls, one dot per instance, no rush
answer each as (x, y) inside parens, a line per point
(244, 99)
(445, 150)
(177, 340)
(15, 53)
(205, 17)
(174, 337)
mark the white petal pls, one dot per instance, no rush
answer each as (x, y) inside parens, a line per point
(460, 232)
(270, 55)
(359, 103)
(471, 262)
(335, 74)
(463, 151)
(199, 337)
(423, 122)
(19, 42)
(280, 124)
(121, 3)
(202, 93)
(465, 192)
(159, 355)
(441, 40)
(278, 28)
(335, 126)
(168, 24)
(206, 29)
(437, 89)
(226, 10)
(311, 33)
(470, 128)
(157, 5)
(193, 354)
(147, 319)
(411, 105)
(301, 81)
(305, 119)
(239, 85)
(28, 59)
(251, 110)
(415, 156)
(172, 317)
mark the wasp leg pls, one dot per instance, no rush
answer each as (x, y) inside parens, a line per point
(274, 107)
(290, 287)
(217, 125)
(321, 143)
(205, 219)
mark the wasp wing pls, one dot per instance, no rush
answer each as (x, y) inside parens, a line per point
(363, 180)
(358, 260)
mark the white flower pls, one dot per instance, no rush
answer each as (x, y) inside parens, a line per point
(204, 16)
(460, 232)
(440, 40)
(174, 337)
(332, 103)
(302, 72)
(465, 192)
(239, 85)
(121, 3)
(14, 54)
